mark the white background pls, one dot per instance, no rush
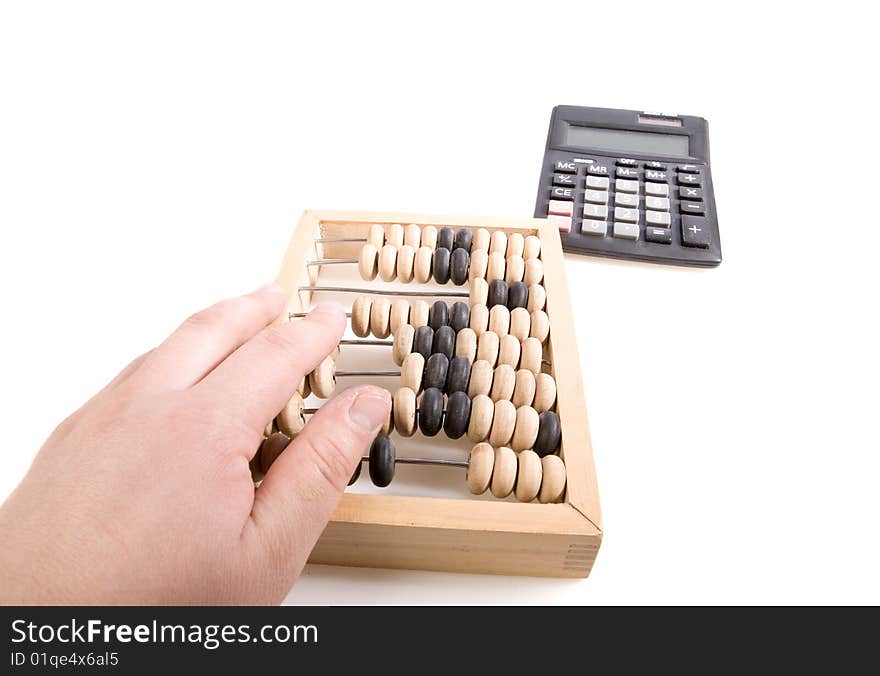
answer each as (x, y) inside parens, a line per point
(155, 156)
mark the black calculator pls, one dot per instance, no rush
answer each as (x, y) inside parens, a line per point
(630, 184)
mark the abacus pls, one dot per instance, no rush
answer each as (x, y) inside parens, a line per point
(485, 463)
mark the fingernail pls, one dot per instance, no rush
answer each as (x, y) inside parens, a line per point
(328, 308)
(270, 287)
(370, 408)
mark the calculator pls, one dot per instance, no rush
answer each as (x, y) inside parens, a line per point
(630, 184)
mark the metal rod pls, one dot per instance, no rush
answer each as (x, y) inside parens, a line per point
(300, 315)
(366, 341)
(424, 461)
(329, 240)
(332, 261)
(382, 374)
(374, 292)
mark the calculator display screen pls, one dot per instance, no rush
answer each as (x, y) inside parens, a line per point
(626, 141)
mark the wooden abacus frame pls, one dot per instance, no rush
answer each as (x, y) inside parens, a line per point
(460, 535)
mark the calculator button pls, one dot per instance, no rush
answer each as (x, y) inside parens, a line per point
(562, 193)
(655, 175)
(688, 168)
(625, 162)
(626, 215)
(686, 193)
(623, 199)
(596, 196)
(626, 230)
(659, 235)
(594, 228)
(627, 172)
(624, 185)
(659, 166)
(598, 170)
(598, 182)
(657, 203)
(565, 167)
(564, 180)
(694, 231)
(693, 208)
(659, 189)
(561, 222)
(689, 179)
(658, 218)
(595, 211)
(560, 207)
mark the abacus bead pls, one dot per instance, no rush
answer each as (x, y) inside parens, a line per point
(481, 378)
(459, 375)
(423, 265)
(436, 369)
(382, 458)
(271, 448)
(530, 355)
(431, 412)
(531, 247)
(540, 326)
(549, 434)
(479, 319)
(463, 239)
(376, 236)
(534, 271)
(525, 430)
(482, 410)
(458, 415)
(499, 319)
(517, 296)
(497, 293)
(552, 480)
(498, 243)
(429, 237)
(537, 297)
(503, 421)
(545, 392)
(380, 318)
(403, 343)
(479, 264)
(479, 292)
(356, 474)
(388, 425)
(503, 380)
(481, 240)
(394, 235)
(520, 323)
(360, 316)
(444, 341)
(368, 262)
(445, 239)
(418, 313)
(305, 389)
(515, 244)
(515, 269)
(458, 266)
(459, 316)
(504, 472)
(412, 371)
(323, 379)
(269, 428)
(479, 471)
(424, 341)
(388, 263)
(290, 419)
(466, 344)
(439, 315)
(441, 265)
(487, 347)
(399, 314)
(412, 235)
(406, 256)
(524, 388)
(528, 476)
(509, 351)
(404, 406)
(496, 267)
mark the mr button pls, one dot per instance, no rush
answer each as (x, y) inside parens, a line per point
(694, 232)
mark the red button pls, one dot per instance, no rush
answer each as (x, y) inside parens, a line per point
(560, 207)
(562, 222)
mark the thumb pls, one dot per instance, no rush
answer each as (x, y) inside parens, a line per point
(304, 485)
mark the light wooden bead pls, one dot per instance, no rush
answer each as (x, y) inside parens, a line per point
(482, 410)
(388, 263)
(479, 292)
(498, 243)
(481, 240)
(479, 264)
(411, 371)
(503, 472)
(525, 430)
(537, 297)
(520, 323)
(534, 272)
(531, 247)
(380, 318)
(515, 269)
(480, 465)
(269, 428)
(479, 319)
(540, 326)
(487, 347)
(394, 235)
(403, 343)
(399, 314)
(530, 355)
(503, 422)
(406, 257)
(368, 262)
(515, 244)
(304, 388)
(291, 419)
(422, 265)
(404, 406)
(499, 320)
(323, 379)
(360, 316)
(412, 236)
(376, 236)
(496, 267)
(503, 380)
(523, 388)
(388, 425)
(552, 480)
(429, 237)
(528, 476)
(545, 393)
(466, 344)
(481, 379)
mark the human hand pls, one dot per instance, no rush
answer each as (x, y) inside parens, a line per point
(144, 495)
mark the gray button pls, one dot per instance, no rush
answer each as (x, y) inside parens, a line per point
(658, 218)
(657, 203)
(626, 230)
(595, 211)
(659, 189)
(623, 200)
(594, 228)
(598, 182)
(596, 196)
(624, 214)
(624, 185)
